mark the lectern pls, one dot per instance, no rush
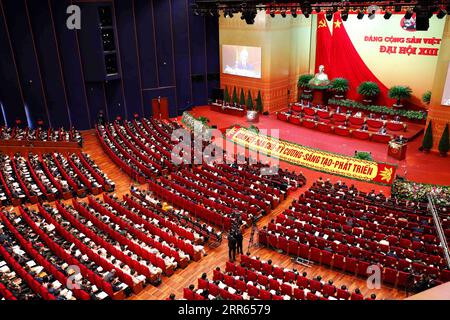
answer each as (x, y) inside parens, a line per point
(397, 150)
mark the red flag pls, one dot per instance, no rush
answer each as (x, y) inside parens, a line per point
(347, 63)
(323, 42)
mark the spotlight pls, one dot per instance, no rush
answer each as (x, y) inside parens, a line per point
(294, 12)
(306, 14)
(371, 14)
(329, 15)
(195, 10)
(272, 13)
(318, 9)
(387, 14)
(360, 14)
(408, 14)
(344, 15)
(441, 14)
(283, 13)
(249, 15)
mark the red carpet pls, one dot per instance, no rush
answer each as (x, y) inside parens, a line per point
(420, 167)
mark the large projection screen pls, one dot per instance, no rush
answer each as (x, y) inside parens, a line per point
(446, 95)
(241, 61)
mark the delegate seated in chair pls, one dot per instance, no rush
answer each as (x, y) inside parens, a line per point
(382, 130)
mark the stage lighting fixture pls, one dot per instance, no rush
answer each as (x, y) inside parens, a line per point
(283, 13)
(344, 15)
(196, 11)
(318, 9)
(249, 15)
(294, 12)
(398, 8)
(360, 14)
(408, 14)
(272, 13)
(422, 19)
(306, 14)
(329, 15)
(441, 14)
(371, 14)
(387, 14)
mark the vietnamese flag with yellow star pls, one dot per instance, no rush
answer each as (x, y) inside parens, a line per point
(347, 63)
(323, 42)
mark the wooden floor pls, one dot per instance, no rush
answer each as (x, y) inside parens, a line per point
(218, 256)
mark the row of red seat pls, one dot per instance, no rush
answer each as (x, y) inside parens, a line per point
(104, 244)
(336, 129)
(91, 276)
(140, 235)
(343, 116)
(152, 215)
(145, 254)
(187, 203)
(32, 283)
(50, 268)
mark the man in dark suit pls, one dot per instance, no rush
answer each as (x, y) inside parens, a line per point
(232, 247)
(239, 239)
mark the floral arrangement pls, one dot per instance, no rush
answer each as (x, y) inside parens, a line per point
(414, 191)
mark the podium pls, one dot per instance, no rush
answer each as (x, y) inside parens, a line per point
(397, 150)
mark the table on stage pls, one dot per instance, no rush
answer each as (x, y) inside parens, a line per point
(234, 111)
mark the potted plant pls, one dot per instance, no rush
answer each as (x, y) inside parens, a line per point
(399, 93)
(303, 81)
(226, 96)
(369, 90)
(259, 103)
(443, 146)
(235, 97)
(242, 98)
(339, 86)
(427, 142)
(426, 97)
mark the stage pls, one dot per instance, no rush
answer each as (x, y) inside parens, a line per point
(420, 167)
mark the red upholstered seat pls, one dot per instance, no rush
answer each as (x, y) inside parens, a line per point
(310, 124)
(264, 295)
(311, 296)
(339, 262)
(281, 116)
(342, 131)
(294, 120)
(390, 276)
(299, 294)
(303, 251)
(316, 254)
(339, 117)
(359, 134)
(356, 121)
(188, 294)
(351, 265)
(343, 294)
(315, 285)
(356, 296)
(395, 126)
(296, 108)
(323, 114)
(309, 111)
(374, 123)
(327, 258)
(324, 127)
(381, 138)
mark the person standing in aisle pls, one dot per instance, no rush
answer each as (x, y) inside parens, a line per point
(231, 247)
